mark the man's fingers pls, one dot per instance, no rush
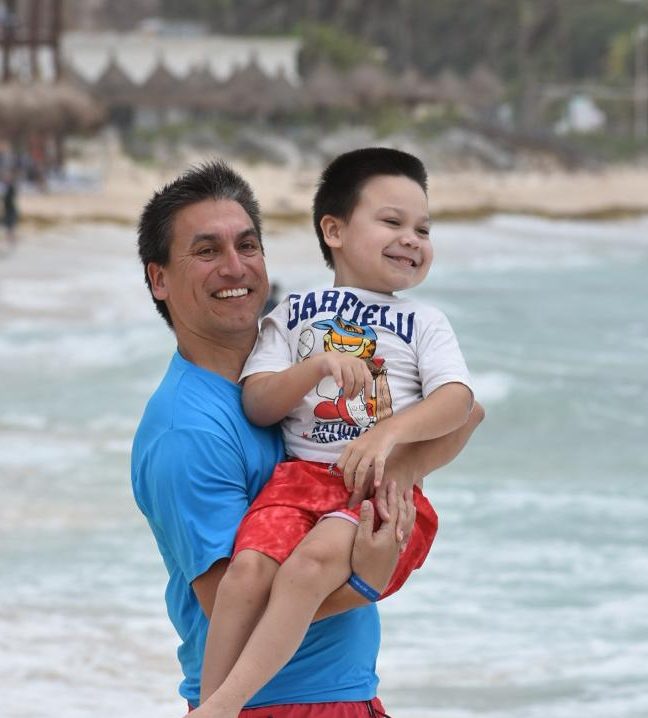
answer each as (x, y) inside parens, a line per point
(381, 502)
(365, 527)
(406, 518)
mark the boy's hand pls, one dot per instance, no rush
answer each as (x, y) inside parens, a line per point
(350, 373)
(367, 452)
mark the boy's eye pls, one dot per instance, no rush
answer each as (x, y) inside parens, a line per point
(393, 222)
(424, 231)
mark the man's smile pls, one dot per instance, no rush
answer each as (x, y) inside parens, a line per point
(226, 293)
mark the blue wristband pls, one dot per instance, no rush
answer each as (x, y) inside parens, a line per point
(363, 588)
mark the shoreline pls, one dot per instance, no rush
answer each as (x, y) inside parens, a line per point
(285, 194)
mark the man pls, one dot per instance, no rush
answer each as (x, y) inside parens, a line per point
(198, 463)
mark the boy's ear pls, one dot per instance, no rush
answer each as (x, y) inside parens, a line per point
(331, 227)
(158, 280)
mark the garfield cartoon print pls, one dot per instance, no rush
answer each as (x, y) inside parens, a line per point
(362, 411)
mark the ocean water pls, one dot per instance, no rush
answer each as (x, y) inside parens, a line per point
(534, 601)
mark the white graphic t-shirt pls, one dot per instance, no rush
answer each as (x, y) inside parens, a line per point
(409, 347)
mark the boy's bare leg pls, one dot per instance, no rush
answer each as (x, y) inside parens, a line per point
(320, 564)
(240, 601)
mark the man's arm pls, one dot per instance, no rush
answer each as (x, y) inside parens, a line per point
(409, 464)
(206, 585)
(445, 410)
(374, 553)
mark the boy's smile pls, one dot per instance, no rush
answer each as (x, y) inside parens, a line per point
(384, 246)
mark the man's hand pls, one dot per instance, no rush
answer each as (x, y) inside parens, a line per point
(375, 553)
(350, 373)
(386, 543)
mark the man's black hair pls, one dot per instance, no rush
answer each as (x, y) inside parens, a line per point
(212, 180)
(342, 181)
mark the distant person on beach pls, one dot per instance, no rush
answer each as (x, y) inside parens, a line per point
(10, 208)
(352, 372)
(198, 462)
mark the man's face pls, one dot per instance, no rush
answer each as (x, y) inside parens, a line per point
(215, 283)
(385, 245)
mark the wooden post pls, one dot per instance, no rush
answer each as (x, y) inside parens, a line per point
(641, 83)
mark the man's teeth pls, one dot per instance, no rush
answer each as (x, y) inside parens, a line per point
(225, 293)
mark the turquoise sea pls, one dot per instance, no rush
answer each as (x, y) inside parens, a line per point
(534, 601)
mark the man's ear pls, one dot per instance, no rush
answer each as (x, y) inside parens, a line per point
(156, 275)
(331, 229)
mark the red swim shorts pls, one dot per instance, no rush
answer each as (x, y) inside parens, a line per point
(351, 709)
(296, 497)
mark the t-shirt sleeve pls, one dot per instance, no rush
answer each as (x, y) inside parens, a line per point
(440, 358)
(272, 351)
(197, 497)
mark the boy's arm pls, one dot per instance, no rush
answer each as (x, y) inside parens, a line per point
(270, 396)
(445, 410)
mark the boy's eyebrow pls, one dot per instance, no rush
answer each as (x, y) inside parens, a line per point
(212, 236)
(399, 210)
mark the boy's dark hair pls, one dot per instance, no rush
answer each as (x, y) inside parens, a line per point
(212, 180)
(342, 181)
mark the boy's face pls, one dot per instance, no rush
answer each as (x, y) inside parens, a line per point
(385, 245)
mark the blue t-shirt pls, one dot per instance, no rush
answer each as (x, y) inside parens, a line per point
(197, 465)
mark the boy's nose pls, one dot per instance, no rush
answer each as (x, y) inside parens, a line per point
(410, 238)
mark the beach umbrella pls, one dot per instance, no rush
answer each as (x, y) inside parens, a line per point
(114, 86)
(451, 89)
(370, 84)
(201, 90)
(161, 88)
(57, 108)
(325, 89)
(285, 96)
(248, 91)
(412, 88)
(485, 88)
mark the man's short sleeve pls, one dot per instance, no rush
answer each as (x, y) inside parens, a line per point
(197, 497)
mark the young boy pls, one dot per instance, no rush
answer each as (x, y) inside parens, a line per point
(331, 364)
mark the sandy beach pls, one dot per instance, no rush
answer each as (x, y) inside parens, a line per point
(285, 193)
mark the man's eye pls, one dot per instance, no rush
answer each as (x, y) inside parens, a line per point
(249, 247)
(206, 252)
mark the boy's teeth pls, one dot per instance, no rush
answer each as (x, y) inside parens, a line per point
(224, 293)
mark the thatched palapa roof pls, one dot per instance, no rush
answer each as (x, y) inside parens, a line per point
(41, 107)
(325, 89)
(114, 86)
(161, 88)
(371, 84)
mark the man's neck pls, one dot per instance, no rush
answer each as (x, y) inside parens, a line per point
(225, 356)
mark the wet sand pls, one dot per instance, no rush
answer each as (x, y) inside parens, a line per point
(286, 193)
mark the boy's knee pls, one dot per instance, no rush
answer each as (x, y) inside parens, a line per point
(308, 562)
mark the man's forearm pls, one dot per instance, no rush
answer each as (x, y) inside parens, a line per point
(419, 459)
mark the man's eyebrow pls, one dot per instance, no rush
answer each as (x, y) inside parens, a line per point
(213, 237)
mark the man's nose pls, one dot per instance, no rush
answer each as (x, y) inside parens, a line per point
(230, 264)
